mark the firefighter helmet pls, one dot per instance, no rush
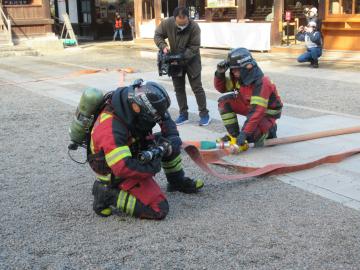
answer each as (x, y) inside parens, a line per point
(240, 57)
(152, 100)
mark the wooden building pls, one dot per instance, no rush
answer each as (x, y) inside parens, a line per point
(29, 18)
(94, 19)
(341, 25)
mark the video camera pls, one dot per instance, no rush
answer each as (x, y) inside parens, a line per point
(169, 64)
(156, 152)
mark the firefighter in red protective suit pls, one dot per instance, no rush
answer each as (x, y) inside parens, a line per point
(122, 130)
(249, 93)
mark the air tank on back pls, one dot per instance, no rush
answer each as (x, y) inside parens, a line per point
(90, 101)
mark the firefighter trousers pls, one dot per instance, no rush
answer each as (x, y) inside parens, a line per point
(230, 105)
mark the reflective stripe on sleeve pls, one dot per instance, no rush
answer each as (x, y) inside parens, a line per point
(255, 100)
(117, 154)
(273, 112)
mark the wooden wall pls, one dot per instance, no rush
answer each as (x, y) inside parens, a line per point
(30, 20)
(341, 31)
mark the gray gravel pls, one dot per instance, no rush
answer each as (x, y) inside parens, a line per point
(46, 220)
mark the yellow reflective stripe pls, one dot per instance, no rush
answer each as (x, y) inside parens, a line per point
(227, 116)
(260, 141)
(171, 163)
(230, 121)
(273, 112)
(92, 147)
(120, 204)
(230, 86)
(104, 116)
(255, 100)
(177, 168)
(131, 205)
(117, 154)
(106, 178)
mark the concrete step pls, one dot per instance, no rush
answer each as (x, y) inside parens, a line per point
(11, 50)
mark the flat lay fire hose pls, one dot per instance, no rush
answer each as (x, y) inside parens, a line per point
(205, 157)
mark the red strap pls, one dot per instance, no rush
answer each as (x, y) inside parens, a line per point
(203, 158)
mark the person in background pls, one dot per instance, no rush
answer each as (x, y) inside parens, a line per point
(131, 24)
(311, 15)
(118, 28)
(313, 42)
(183, 35)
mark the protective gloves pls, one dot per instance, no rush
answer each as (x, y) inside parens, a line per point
(222, 66)
(155, 165)
(241, 139)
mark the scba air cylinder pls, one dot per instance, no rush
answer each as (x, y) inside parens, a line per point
(90, 102)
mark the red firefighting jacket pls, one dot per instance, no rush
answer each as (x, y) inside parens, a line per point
(116, 140)
(261, 99)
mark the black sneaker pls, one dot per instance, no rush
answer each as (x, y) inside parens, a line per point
(103, 198)
(187, 185)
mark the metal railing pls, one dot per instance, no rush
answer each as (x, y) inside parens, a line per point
(5, 24)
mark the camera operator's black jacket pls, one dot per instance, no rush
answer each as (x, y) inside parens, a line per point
(186, 42)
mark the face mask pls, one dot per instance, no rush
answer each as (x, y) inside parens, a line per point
(182, 27)
(144, 122)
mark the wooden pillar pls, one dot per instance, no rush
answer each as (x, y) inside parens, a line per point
(276, 30)
(181, 3)
(321, 9)
(137, 16)
(157, 9)
(46, 8)
(241, 9)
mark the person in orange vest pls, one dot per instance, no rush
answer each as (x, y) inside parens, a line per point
(118, 28)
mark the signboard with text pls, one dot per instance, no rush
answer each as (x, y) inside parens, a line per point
(220, 3)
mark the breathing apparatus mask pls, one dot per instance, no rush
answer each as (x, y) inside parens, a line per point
(152, 101)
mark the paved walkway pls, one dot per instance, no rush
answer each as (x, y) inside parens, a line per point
(337, 182)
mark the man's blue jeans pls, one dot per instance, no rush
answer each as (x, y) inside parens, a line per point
(120, 34)
(310, 55)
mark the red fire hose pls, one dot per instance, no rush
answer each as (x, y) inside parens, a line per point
(203, 158)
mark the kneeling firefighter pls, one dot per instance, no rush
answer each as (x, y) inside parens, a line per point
(249, 93)
(120, 136)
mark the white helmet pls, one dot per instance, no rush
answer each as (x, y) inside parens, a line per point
(313, 12)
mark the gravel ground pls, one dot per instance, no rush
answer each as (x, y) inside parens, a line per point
(46, 219)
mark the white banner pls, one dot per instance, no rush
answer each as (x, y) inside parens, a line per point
(253, 36)
(220, 3)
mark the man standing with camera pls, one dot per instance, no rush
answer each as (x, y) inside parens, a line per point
(184, 39)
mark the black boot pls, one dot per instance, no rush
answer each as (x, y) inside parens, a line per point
(272, 132)
(178, 182)
(316, 64)
(104, 196)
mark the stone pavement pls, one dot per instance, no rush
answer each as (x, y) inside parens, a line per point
(337, 182)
